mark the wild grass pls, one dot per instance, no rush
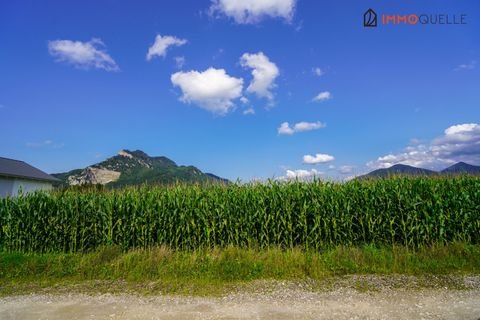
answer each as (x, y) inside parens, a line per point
(211, 271)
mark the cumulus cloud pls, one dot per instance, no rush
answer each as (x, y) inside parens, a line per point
(300, 174)
(318, 158)
(253, 11)
(458, 143)
(264, 73)
(466, 66)
(161, 45)
(322, 96)
(85, 55)
(285, 129)
(213, 89)
(299, 127)
(318, 72)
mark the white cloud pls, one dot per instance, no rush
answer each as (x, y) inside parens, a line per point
(285, 129)
(353, 176)
(299, 127)
(249, 111)
(307, 126)
(161, 44)
(300, 174)
(458, 143)
(179, 62)
(322, 96)
(461, 129)
(345, 169)
(466, 66)
(318, 158)
(318, 72)
(253, 11)
(246, 103)
(264, 73)
(213, 89)
(86, 55)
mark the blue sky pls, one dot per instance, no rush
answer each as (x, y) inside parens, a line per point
(77, 85)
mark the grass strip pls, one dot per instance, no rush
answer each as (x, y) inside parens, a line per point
(211, 271)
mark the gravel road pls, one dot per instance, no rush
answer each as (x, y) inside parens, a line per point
(281, 301)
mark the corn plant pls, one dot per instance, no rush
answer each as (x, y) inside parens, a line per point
(411, 212)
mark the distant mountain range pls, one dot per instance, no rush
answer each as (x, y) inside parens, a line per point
(136, 168)
(402, 169)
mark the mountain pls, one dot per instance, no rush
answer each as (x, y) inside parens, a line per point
(461, 168)
(399, 169)
(404, 170)
(136, 168)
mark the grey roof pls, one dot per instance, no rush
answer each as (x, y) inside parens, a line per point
(20, 169)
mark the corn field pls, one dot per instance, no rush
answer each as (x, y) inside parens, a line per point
(410, 212)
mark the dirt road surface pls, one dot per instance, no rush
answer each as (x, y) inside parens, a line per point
(281, 303)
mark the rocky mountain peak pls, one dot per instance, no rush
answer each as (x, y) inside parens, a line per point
(133, 154)
(125, 153)
(135, 168)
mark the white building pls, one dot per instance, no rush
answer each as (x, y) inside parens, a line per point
(20, 177)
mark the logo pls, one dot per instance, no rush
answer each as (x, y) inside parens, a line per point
(369, 19)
